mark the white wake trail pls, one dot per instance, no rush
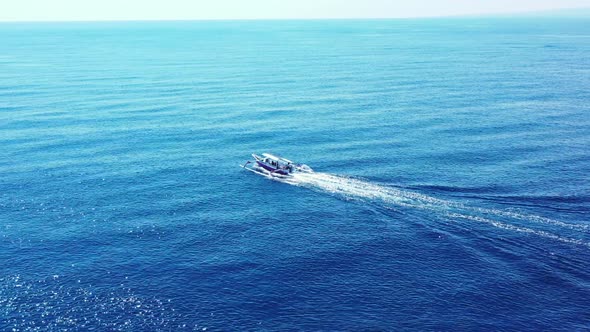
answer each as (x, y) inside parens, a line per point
(360, 189)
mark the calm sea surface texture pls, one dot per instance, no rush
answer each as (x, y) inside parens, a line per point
(451, 187)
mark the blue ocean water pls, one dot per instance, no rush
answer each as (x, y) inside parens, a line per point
(451, 187)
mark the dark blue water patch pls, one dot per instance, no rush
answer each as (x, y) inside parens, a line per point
(51, 303)
(568, 204)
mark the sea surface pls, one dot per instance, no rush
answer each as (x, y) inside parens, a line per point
(451, 187)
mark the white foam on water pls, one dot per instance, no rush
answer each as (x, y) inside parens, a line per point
(356, 188)
(364, 190)
(533, 218)
(520, 229)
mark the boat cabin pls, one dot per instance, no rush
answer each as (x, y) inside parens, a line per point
(278, 162)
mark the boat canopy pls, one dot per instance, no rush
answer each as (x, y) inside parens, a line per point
(275, 158)
(270, 156)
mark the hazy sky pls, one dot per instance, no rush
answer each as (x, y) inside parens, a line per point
(33, 10)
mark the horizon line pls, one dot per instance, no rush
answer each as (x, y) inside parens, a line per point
(471, 15)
